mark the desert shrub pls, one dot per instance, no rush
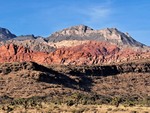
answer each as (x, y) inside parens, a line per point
(82, 99)
(146, 101)
(10, 108)
(85, 99)
(106, 100)
(133, 112)
(131, 101)
(70, 102)
(116, 101)
(81, 110)
(7, 108)
(27, 102)
(20, 101)
(6, 71)
(5, 99)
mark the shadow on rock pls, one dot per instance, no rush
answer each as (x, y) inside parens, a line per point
(50, 76)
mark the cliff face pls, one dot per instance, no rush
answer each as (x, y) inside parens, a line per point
(14, 53)
(95, 53)
(92, 53)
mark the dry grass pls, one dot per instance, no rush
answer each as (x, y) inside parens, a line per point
(52, 108)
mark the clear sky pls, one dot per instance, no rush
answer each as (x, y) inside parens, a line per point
(43, 17)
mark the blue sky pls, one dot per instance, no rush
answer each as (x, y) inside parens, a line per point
(43, 17)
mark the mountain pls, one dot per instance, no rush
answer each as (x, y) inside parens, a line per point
(74, 36)
(73, 67)
(83, 32)
(5, 34)
(77, 45)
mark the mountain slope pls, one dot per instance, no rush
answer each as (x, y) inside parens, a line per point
(77, 45)
(83, 32)
(72, 36)
(92, 53)
(95, 53)
(29, 79)
(5, 34)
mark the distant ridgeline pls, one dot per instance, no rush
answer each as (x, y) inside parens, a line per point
(77, 45)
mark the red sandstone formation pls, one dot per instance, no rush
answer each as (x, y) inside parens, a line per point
(92, 53)
(95, 53)
(13, 53)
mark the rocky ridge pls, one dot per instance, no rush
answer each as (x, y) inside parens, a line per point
(28, 79)
(5, 34)
(77, 45)
(74, 36)
(92, 53)
(83, 32)
(38, 44)
(95, 53)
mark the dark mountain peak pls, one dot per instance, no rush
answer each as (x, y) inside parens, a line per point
(25, 37)
(5, 34)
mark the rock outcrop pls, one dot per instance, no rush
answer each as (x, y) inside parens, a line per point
(38, 44)
(25, 37)
(5, 34)
(83, 32)
(92, 53)
(14, 53)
